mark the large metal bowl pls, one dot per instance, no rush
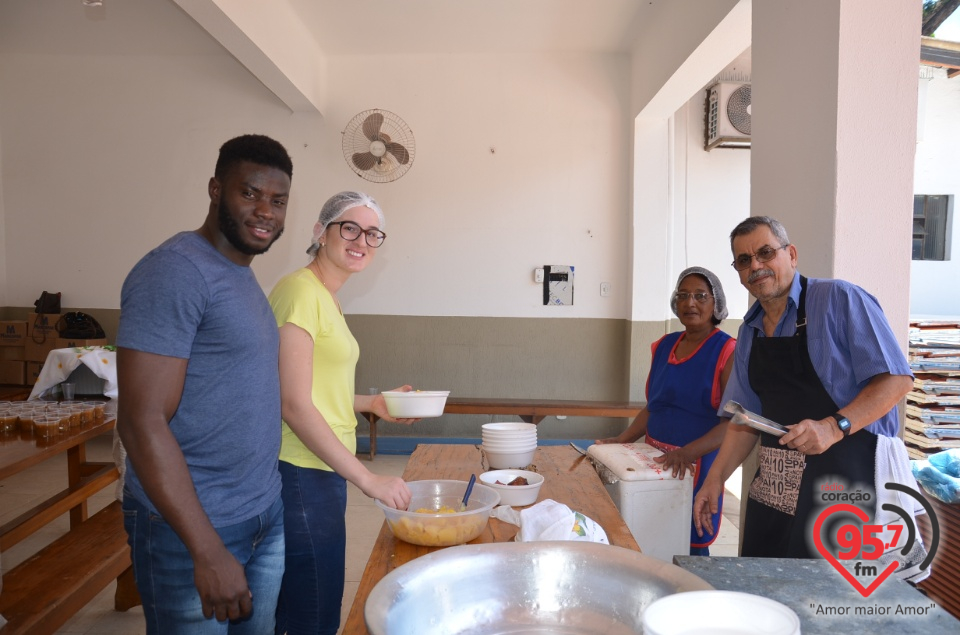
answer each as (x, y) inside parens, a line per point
(534, 587)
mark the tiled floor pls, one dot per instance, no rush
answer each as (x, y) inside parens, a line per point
(364, 520)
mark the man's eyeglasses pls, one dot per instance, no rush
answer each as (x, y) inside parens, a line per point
(700, 297)
(351, 231)
(764, 254)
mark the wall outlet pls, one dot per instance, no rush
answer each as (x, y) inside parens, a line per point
(538, 275)
(604, 289)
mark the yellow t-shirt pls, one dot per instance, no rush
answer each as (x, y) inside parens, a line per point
(300, 299)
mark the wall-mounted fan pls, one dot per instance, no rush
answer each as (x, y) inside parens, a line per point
(378, 146)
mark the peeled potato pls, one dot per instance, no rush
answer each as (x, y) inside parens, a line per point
(438, 531)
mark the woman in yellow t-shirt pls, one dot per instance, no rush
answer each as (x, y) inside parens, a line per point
(318, 358)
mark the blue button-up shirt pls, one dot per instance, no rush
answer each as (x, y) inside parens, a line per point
(849, 341)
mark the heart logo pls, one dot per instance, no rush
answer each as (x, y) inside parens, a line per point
(832, 559)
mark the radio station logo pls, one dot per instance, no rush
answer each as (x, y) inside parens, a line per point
(866, 554)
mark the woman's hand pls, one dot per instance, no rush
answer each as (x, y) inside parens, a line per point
(378, 406)
(389, 490)
(679, 460)
(705, 504)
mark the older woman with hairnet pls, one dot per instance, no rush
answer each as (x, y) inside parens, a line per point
(686, 381)
(318, 358)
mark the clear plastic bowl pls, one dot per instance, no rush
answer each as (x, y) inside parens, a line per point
(435, 529)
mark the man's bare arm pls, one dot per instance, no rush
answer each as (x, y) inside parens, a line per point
(150, 387)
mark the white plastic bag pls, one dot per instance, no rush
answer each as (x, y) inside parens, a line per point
(550, 520)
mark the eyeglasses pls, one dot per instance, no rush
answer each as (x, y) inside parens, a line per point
(351, 231)
(700, 297)
(764, 254)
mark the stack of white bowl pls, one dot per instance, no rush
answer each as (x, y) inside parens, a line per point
(509, 445)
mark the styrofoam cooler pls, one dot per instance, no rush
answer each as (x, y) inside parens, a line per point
(656, 506)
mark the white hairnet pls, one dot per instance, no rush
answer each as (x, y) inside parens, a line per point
(716, 289)
(334, 208)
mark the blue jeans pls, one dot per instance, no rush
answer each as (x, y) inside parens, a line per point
(314, 511)
(163, 570)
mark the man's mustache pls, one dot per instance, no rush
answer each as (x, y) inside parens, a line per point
(759, 272)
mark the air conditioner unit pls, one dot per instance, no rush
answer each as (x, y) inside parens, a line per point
(728, 116)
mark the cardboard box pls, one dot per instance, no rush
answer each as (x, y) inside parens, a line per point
(12, 372)
(43, 327)
(17, 353)
(63, 342)
(13, 333)
(34, 352)
(33, 372)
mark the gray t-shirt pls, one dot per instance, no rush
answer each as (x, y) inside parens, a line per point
(185, 299)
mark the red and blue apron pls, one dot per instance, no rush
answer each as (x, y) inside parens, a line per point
(682, 398)
(782, 502)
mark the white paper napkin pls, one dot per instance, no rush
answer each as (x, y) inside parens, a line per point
(550, 520)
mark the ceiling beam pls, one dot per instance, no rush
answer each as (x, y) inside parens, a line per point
(271, 42)
(938, 14)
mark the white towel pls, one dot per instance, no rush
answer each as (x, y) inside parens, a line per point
(550, 520)
(63, 361)
(893, 466)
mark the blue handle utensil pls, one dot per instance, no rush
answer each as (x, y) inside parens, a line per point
(466, 495)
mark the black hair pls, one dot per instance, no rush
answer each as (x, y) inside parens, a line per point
(255, 148)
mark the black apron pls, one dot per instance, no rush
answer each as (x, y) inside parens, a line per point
(785, 496)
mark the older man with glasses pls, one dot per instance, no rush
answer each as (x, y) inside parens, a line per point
(815, 355)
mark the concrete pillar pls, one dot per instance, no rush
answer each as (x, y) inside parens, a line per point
(834, 134)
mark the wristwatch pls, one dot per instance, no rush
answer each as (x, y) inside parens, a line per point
(843, 423)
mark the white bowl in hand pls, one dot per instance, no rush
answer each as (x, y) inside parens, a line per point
(415, 404)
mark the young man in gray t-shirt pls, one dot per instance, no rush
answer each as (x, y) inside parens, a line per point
(199, 408)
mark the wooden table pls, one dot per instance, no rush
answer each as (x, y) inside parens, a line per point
(48, 588)
(529, 410)
(14, 392)
(568, 479)
(84, 478)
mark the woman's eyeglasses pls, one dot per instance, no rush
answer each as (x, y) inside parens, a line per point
(700, 297)
(764, 254)
(351, 231)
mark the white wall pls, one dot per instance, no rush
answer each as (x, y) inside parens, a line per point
(717, 194)
(108, 147)
(688, 200)
(932, 283)
(675, 33)
(662, 174)
(521, 162)
(110, 136)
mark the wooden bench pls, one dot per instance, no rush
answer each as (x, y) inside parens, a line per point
(43, 592)
(529, 410)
